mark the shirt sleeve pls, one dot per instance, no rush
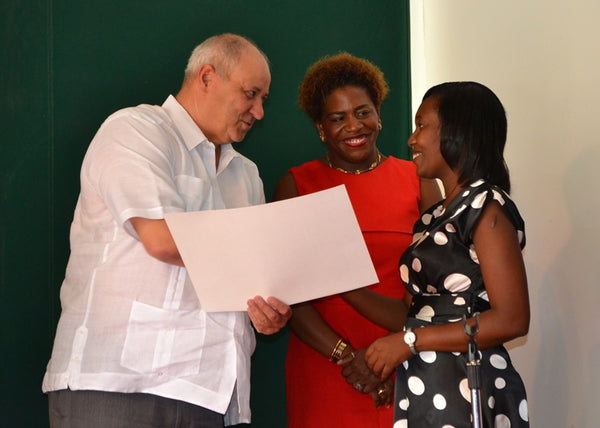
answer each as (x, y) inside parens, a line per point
(129, 167)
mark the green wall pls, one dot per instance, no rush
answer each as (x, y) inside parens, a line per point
(66, 65)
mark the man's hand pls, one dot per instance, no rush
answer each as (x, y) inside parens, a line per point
(268, 316)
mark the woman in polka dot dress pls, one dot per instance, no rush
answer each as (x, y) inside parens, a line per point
(465, 258)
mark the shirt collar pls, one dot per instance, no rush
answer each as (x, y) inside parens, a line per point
(190, 133)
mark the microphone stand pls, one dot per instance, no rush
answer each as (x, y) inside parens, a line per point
(474, 370)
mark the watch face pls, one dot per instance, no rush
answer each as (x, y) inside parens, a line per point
(409, 337)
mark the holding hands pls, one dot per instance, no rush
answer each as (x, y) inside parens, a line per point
(387, 353)
(358, 374)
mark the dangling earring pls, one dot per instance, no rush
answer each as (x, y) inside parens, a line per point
(322, 137)
(380, 125)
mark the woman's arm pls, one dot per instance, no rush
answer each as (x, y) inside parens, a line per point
(306, 322)
(501, 262)
(387, 312)
(285, 188)
(308, 325)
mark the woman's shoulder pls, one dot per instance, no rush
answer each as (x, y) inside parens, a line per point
(401, 163)
(308, 166)
(480, 194)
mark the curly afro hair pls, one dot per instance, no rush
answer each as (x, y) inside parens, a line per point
(334, 72)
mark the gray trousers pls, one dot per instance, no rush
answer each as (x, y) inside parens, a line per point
(100, 409)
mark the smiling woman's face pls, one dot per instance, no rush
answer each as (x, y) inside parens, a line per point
(350, 125)
(425, 142)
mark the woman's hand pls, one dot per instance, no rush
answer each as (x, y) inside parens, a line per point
(357, 373)
(387, 353)
(384, 394)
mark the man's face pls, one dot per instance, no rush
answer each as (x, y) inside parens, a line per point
(237, 101)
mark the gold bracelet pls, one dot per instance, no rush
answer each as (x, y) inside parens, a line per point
(338, 350)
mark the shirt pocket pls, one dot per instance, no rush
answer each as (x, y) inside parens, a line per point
(196, 192)
(163, 342)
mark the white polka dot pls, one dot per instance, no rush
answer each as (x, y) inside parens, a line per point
(450, 228)
(428, 356)
(439, 402)
(455, 320)
(459, 210)
(405, 364)
(414, 286)
(498, 197)
(431, 289)
(438, 211)
(425, 313)
(426, 219)
(498, 362)
(401, 423)
(477, 183)
(501, 421)
(416, 265)
(460, 301)
(448, 426)
(403, 404)
(419, 237)
(483, 295)
(404, 273)
(466, 192)
(473, 255)
(500, 383)
(491, 402)
(440, 238)
(524, 410)
(520, 236)
(479, 200)
(456, 354)
(457, 282)
(416, 385)
(463, 386)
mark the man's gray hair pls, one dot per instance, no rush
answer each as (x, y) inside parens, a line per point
(222, 52)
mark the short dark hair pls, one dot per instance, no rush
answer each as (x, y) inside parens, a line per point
(473, 131)
(334, 72)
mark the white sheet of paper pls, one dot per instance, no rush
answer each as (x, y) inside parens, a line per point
(296, 250)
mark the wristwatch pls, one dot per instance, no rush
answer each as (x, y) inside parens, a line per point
(410, 338)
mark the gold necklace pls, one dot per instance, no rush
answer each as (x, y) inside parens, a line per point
(358, 171)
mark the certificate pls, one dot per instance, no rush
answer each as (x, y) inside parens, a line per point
(296, 250)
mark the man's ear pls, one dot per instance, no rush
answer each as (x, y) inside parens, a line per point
(206, 74)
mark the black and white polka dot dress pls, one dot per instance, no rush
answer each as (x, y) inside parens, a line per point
(441, 271)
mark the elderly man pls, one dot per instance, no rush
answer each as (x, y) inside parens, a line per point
(133, 346)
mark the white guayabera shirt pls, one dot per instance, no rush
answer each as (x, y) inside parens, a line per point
(130, 322)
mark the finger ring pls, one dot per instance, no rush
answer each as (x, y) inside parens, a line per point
(358, 386)
(381, 391)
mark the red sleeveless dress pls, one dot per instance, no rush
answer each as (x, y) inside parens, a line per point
(386, 203)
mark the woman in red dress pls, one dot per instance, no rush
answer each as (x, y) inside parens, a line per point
(342, 94)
